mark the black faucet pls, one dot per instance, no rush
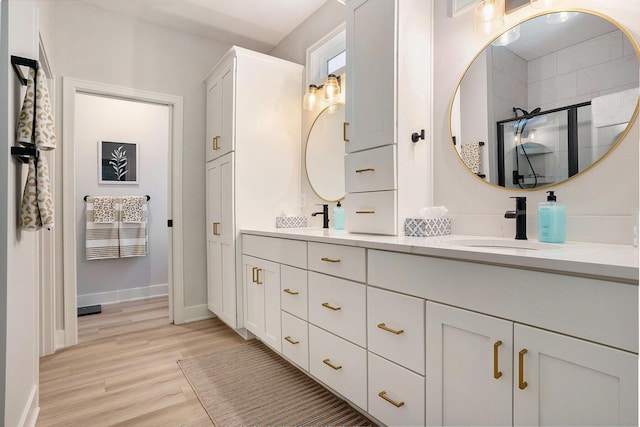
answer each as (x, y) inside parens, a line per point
(325, 215)
(520, 214)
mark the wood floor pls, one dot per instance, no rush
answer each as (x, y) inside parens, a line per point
(123, 372)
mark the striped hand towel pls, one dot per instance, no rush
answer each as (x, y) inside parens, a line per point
(102, 239)
(134, 238)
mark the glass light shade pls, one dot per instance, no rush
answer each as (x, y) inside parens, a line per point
(543, 4)
(489, 16)
(309, 99)
(508, 37)
(331, 88)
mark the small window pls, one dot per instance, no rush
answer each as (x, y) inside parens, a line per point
(327, 56)
(337, 63)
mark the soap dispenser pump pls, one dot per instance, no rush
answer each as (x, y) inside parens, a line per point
(551, 220)
(338, 217)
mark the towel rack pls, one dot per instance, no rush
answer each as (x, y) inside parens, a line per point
(146, 195)
(23, 153)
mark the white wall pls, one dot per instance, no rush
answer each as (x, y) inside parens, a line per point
(93, 44)
(19, 375)
(102, 118)
(600, 203)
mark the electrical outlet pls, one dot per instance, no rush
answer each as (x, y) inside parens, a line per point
(303, 200)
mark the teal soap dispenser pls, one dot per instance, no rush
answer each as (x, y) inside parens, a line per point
(338, 217)
(551, 220)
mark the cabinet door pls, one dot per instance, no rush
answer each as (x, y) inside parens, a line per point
(468, 368)
(262, 290)
(220, 112)
(221, 270)
(370, 98)
(567, 381)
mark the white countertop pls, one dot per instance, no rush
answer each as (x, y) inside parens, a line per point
(598, 260)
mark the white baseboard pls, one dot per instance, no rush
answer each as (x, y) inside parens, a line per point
(123, 295)
(31, 410)
(59, 340)
(197, 312)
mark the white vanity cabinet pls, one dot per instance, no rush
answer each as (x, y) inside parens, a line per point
(253, 166)
(488, 371)
(262, 310)
(387, 99)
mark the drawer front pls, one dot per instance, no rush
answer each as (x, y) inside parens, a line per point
(395, 326)
(295, 340)
(338, 306)
(342, 261)
(371, 170)
(339, 364)
(283, 251)
(396, 395)
(293, 295)
(373, 212)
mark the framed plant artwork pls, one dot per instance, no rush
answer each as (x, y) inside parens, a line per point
(118, 162)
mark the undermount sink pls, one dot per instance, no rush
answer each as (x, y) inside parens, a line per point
(506, 244)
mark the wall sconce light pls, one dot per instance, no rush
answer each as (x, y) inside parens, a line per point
(309, 99)
(489, 15)
(330, 92)
(331, 88)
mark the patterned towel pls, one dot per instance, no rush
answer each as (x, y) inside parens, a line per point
(134, 238)
(470, 154)
(36, 209)
(102, 240)
(44, 137)
(104, 209)
(132, 209)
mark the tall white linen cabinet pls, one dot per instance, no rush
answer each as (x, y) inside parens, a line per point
(388, 98)
(252, 162)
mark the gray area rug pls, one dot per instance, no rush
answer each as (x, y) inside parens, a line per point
(250, 385)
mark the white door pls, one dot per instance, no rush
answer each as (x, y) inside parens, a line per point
(563, 381)
(262, 290)
(254, 319)
(220, 113)
(214, 248)
(469, 368)
(370, 64)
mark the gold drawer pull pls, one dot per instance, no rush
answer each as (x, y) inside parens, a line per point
(328, 363)
(384, 327)
(383, 394)
(256, 275)
(215, 143)
(496, 373)
(216, 232)
(290, 292)
(291, 341)
(329, 260)
(344, 131)
(326, 304)
(365, 170)
(253, 274)
(365, 212)
(522, 384)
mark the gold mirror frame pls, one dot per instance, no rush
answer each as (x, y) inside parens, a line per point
(617, 142)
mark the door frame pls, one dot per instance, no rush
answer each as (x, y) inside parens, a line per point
(71, 87)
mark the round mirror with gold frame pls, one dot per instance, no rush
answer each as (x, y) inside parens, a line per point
(546, 100)
(324, 157)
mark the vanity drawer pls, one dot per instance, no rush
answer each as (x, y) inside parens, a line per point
(371, 170)
(295, 340)
(404, 389)
(337, 260)
(338, 306)
(339, 364)
(395, 326)
(293, 284)
(283, 251)
(372, 212)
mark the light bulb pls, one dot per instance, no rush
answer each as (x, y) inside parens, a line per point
(331, 88)
(309, 100)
